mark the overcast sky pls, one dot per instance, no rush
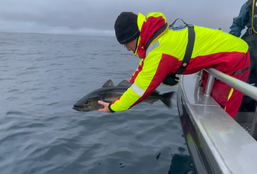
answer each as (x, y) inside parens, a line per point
(98, 16)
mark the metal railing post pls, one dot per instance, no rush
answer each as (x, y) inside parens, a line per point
(209, 85)
(243, 87)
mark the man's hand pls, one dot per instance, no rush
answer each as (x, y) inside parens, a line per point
(106, 107)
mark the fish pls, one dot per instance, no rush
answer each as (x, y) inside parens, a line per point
(109, 93)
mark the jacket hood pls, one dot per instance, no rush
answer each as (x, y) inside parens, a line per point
(147, 27)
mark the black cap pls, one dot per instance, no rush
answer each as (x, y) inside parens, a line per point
(126, 28)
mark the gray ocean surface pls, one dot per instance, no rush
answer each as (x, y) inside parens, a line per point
(43, 75)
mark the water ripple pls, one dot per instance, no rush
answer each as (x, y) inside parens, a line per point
(42, 76)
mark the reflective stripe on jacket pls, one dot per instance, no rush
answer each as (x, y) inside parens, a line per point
(212, 48)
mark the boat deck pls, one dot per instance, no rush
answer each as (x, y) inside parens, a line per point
(217, 143)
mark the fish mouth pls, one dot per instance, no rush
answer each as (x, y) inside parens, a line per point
(76, 108)
(79, 108)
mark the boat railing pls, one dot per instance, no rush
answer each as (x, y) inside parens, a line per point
(241, 86)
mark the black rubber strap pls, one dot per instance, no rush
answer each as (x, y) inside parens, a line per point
(190, 44)
(240, 71)
(189, 49)
(176, 21)
(155, 35)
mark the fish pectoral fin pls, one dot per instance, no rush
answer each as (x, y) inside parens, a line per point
(109, 83)
(125, 83)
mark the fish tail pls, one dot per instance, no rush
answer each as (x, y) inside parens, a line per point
(166, 98)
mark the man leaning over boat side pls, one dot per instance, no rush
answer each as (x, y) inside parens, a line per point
(248, 18)
(167, 50)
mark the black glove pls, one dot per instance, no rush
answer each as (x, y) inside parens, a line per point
(171, 80)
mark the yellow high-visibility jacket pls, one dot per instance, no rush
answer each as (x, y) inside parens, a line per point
(212, 48)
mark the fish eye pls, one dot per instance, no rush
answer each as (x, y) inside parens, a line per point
(86, 102)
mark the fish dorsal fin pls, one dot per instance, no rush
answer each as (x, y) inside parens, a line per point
(125, 83)
(109, 83)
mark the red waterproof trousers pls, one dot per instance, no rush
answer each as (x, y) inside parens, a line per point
(229, 99)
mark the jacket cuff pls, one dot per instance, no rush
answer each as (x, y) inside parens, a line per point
(109, 106)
